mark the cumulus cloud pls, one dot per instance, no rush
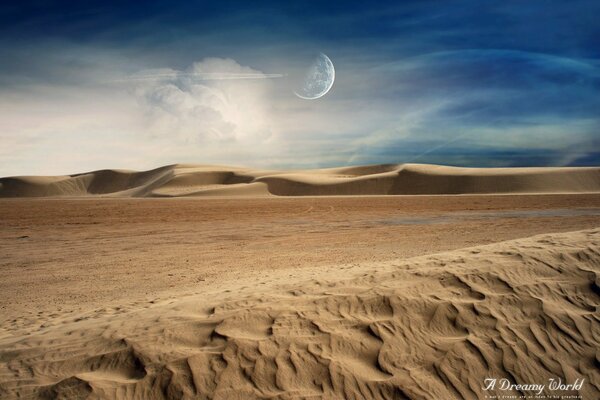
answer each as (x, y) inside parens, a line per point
(216, 100)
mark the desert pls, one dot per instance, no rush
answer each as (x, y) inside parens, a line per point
(299, 200)
(107, 295)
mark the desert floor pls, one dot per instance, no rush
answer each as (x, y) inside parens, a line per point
(69, 260)
(73, 255)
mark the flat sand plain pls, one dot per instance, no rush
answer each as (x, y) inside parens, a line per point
(77, 254)
(193, 298)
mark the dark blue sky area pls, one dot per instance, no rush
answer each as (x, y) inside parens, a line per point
(556, 27)
(541, 26)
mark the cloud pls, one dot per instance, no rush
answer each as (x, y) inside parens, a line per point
(198, 76)
(490, 102)
(494, 83)
(215, 99)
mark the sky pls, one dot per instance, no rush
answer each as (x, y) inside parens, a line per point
(87, 85)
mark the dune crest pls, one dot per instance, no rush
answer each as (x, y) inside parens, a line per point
(432, 327)
(388, 179)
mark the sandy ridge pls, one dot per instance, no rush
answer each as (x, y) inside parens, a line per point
(386, 179)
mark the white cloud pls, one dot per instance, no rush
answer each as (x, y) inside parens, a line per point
(227, 107)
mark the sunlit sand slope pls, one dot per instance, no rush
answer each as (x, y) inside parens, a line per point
(432, 327)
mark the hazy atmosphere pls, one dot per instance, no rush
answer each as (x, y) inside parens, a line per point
(103, 84)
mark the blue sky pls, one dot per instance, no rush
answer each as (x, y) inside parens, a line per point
(494, 83)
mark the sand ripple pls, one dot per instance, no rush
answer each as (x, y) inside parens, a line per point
(432, 327)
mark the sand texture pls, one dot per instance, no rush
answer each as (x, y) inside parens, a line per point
(430, 327)
(73, 255)
(391, 179)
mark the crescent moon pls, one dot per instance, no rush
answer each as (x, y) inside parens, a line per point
(318, 80)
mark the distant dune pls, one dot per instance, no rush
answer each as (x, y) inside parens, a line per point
(433, 327)
(389, 179)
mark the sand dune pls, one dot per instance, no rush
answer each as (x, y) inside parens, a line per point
(389, 179)
(432, 327)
